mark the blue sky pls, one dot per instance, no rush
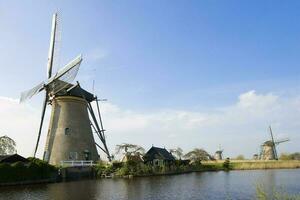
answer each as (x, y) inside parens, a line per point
(147, 57)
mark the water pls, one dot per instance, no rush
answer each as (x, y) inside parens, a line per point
(205, 185)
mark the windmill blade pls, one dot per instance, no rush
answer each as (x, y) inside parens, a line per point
(282, 140)
(73, 64)
(52, 43)
(41, 123)
(29, 93)
(57, 43)
(273, 144)
(64, 76)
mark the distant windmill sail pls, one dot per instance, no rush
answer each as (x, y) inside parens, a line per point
(282, 141)
(273, 144)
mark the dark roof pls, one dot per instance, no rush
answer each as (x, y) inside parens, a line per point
(268, 143)
(158, 153)
(79, 92)
(12, 158)
(76, 91)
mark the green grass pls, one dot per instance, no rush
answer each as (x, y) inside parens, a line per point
(265, 165)
(275, 194)
(140, 169)
(254, 164)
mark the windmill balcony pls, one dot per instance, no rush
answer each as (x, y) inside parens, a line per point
(76, 163)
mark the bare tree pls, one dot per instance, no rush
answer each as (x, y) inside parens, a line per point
(7, 145)
(178, 152)
(198, 155)
(129, 149)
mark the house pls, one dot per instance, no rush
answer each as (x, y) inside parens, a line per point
(158, 157)
(12, 158)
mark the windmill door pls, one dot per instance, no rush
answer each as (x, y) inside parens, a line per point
(87, 155)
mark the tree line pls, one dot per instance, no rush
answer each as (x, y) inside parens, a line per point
(136, 150)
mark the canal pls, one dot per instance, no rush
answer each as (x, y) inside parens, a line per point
(205, 185)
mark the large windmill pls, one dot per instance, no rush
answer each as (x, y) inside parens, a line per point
(268, 148)
(70, 134)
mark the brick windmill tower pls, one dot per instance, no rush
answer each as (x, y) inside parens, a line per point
(70, 133)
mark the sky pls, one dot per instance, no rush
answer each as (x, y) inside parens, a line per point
(189, 74)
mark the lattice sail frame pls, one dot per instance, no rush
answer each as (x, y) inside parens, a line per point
(57, 82)
(65, 80)
(30, 93)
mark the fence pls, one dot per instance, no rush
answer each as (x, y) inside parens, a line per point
(76, 163)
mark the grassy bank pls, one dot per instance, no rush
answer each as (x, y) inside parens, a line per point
(257, 164)
(19, 172)
(140, 169)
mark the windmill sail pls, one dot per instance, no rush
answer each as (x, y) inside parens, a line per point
(65, 76)
(282, 140)
(273, 144)
(30, 93)
(41, 123)
(57, 82)
(49, 74)
(52, 43)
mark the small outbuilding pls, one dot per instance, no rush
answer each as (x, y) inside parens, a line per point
(12, 158)
(158, 157)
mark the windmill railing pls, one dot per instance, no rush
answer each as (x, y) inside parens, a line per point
(76, 163)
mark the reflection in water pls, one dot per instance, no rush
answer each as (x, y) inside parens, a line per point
(206, 185)
(72, 190)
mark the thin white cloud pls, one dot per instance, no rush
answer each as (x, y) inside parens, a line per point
(240, 128)
(20, 122)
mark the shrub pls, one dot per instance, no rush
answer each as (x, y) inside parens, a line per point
(240, 157)
(293, 156)
(104, 169)
(35, 169)
(123, 171)
(226, 164)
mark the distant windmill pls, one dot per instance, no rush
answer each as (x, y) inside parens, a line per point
(219, 154)
(268, 148)
(70, 135)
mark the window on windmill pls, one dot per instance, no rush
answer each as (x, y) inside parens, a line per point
(73, 156)
(67, 131)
